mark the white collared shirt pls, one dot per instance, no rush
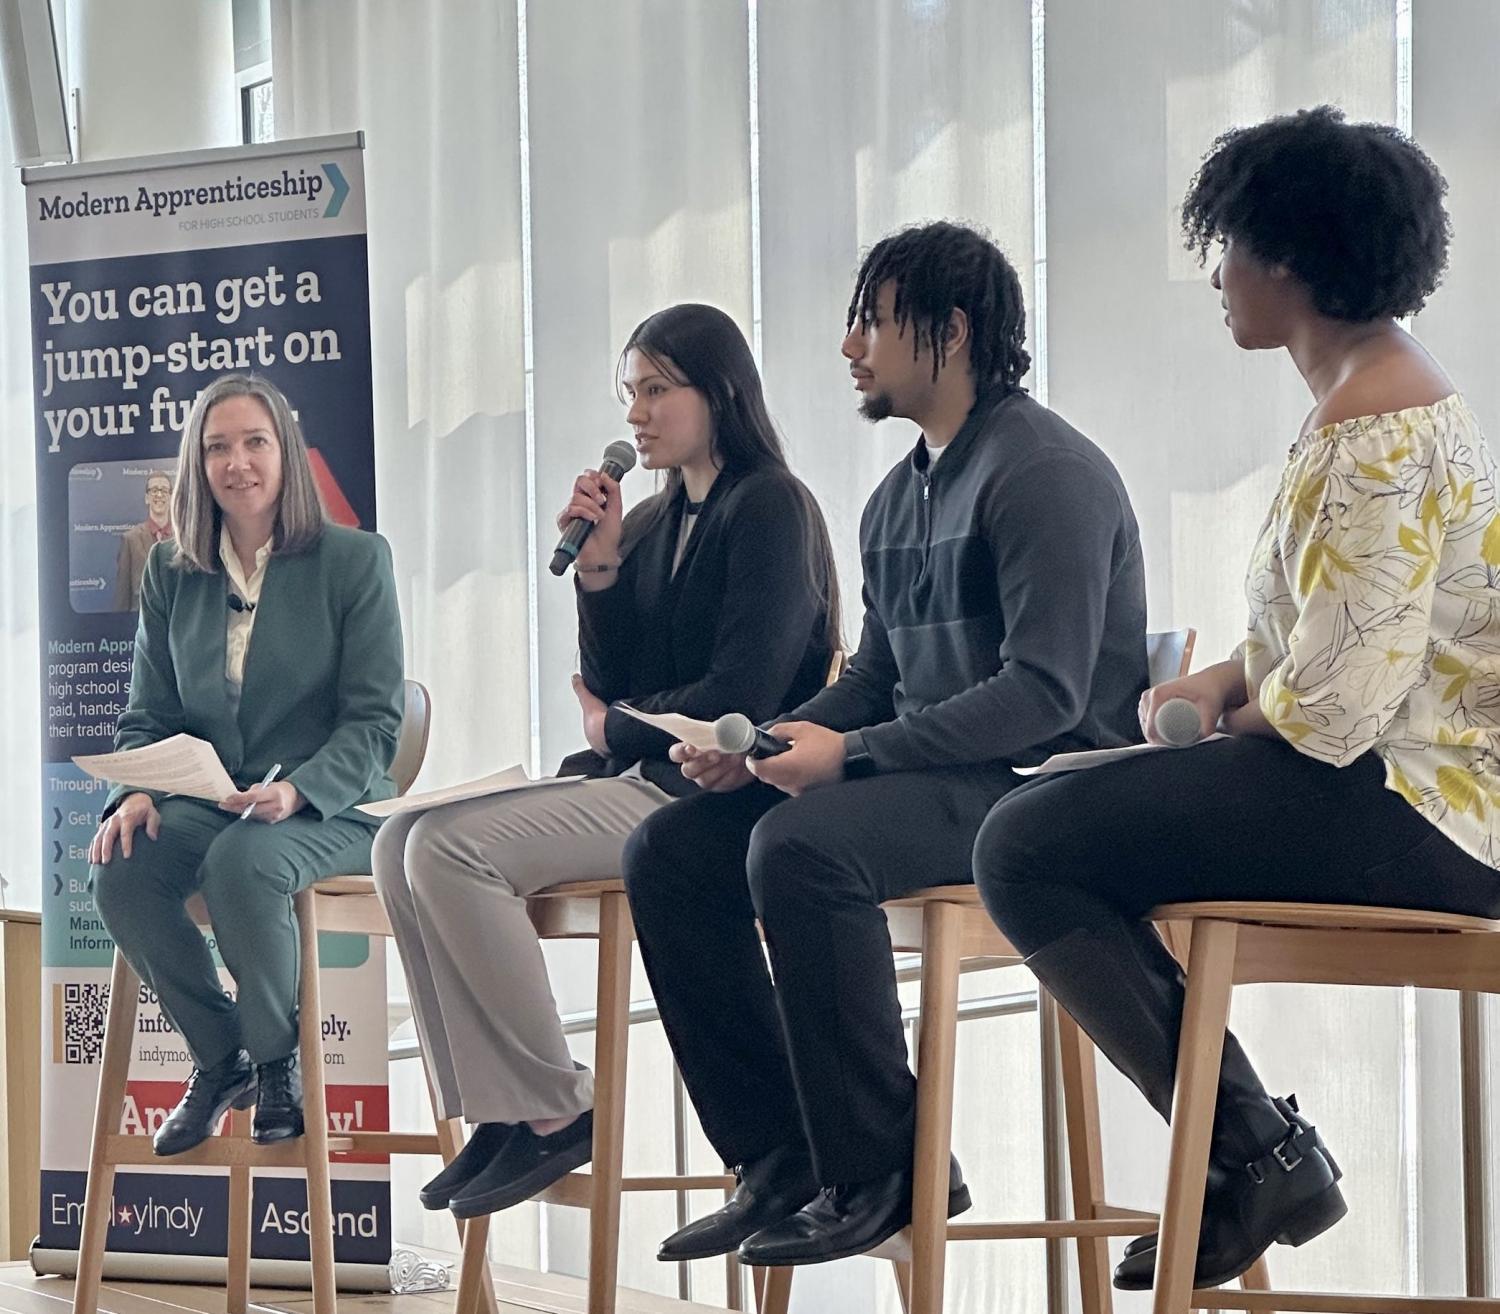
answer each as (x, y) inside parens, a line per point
(241, 623)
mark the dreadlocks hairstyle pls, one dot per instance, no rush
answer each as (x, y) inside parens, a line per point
(1353, 210)
(942, 267)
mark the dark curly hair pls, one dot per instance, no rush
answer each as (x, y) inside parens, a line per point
(940, 267)
(1353, 210)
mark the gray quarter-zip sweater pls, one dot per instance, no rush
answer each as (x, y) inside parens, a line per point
(1005, 600)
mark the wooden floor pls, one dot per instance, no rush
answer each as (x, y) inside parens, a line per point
(22, 1292)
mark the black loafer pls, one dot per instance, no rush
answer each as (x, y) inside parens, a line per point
(479, 1151)
(846, 1220)
(527, 1164)
(278, 1105)
(210, 1093)
(1289, 1195)
(771, 1188)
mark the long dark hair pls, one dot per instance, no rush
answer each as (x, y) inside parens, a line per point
(701, 347)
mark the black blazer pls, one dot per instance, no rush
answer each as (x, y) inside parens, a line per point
(739, 628)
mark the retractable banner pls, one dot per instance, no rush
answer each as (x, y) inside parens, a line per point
(149, 278)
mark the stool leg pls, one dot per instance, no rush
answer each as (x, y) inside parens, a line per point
(902, 1270)
(474, 1278)
(315, 1111)
(611, 1040)
(1085, 1158)
(109, 1105)
(773, 1290)
(937, 1029)
(1257, 1278)
(238, 1252)
(450, 1141)
(1200, 1050)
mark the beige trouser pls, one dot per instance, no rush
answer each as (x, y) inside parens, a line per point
(454, 882)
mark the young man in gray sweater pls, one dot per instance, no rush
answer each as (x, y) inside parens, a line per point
(1004, 621)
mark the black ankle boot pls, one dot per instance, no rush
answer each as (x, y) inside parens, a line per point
(210, 1093)
(1292, 1114)
(278, 1107)
(1289, 1194)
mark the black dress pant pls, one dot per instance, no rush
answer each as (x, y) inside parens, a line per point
(1067, 865)
(821, 1055)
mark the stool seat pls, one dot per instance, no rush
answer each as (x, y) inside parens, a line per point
(1339, 916)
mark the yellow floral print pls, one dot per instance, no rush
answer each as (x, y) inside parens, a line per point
(1374, 594)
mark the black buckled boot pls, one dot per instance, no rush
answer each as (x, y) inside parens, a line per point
(1135, 1271)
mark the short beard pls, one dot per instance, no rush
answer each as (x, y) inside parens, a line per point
(876, 406)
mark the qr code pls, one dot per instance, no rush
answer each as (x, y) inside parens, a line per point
(83, 1009)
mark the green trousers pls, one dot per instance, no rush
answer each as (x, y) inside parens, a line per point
(247, 872)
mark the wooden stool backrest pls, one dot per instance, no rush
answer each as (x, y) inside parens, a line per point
(411, 744)
(1169, 653)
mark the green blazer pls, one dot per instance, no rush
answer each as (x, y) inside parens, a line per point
(322, 692)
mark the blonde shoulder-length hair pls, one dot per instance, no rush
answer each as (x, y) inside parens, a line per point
(195, 514)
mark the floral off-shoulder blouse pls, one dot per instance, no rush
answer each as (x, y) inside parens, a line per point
(1374, 594)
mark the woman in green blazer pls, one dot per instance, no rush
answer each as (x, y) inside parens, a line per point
(305, 716)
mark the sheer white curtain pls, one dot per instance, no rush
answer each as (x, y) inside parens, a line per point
(434, 89)
(20, 744)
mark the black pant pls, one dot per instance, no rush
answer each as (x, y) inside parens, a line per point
(1068, 864)
(820, 1056)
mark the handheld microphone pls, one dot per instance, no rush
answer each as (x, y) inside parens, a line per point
(1178, 723)
(734, 732)
(618, 457)
(237, 603)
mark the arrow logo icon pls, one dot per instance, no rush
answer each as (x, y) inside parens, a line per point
(56, 889)
(340, 190)
(56, 818)
(56, 850)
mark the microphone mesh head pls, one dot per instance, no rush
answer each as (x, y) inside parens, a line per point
(621, 453)
(1178, 722)
(734, 732)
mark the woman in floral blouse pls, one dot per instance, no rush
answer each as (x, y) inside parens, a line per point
(1363, 708)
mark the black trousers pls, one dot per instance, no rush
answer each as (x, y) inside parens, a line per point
(1068, 864)
(821, 1055)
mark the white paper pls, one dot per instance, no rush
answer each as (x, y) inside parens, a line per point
(182, 765)
(499, 782)
(1097, 757)
(697, 734)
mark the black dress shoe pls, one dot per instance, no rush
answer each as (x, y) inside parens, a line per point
(1289, 1195)
(278, 1106)
(846, 1220)
(528, 1163)
(479, 1151)
(210, 1093)
(771, 1188)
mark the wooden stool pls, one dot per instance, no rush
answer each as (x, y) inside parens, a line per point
(592, 910)
(344, 904)
(1322, 944)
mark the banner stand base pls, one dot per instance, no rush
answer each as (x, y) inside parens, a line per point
(210, 1270)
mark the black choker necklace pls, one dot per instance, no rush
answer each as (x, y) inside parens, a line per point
(690, 508)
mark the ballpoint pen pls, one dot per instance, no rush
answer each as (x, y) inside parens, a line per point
(270, 776)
